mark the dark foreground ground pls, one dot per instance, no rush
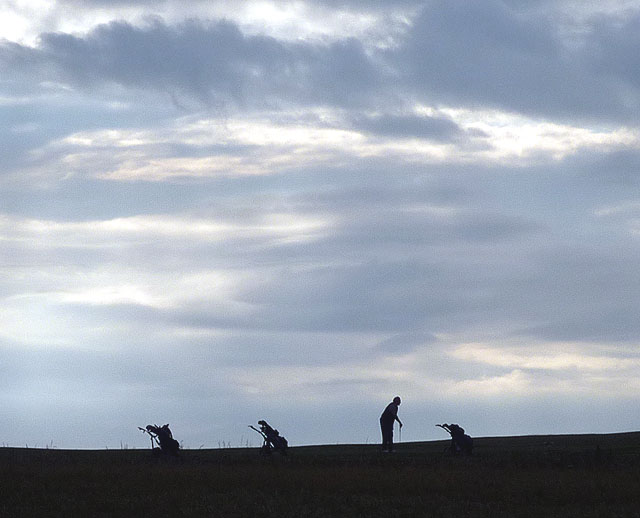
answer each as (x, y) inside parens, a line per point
(537, 476)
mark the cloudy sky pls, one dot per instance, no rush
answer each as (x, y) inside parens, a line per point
(216, 212)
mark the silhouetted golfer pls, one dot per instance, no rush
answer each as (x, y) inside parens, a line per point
(387, 419)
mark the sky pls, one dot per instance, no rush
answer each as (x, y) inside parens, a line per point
(217, 212)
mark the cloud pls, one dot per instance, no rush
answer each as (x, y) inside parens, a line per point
(620, 167)
(476, 54)
(436, 128)
(612, 46)
(570, 357)
(213, 62)
(406, 342)
(505, 56)
(201, 212)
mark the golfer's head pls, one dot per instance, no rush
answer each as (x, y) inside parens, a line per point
(397, 400)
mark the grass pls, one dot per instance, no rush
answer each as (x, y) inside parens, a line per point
(536, 476)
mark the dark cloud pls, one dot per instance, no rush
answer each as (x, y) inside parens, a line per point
(584, 293)
(475, 54)
(491, 53)
(611, 323)
(339, 4)
(406, 342)
(434, 128)
(213, 62)
(428, 227)
(617, 168)
(612, 48)
(112, 3)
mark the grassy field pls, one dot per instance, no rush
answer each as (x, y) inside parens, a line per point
(537, 476)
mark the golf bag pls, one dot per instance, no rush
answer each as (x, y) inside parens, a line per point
(460, 442)
(163, 438)
(273, 441)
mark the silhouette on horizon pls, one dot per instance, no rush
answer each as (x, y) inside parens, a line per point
(387, 420)
(460, 442)
(272, 439)
(162, 436)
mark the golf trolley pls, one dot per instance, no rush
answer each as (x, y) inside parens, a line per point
(163, 438)
(273, 441)
(461, 443)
